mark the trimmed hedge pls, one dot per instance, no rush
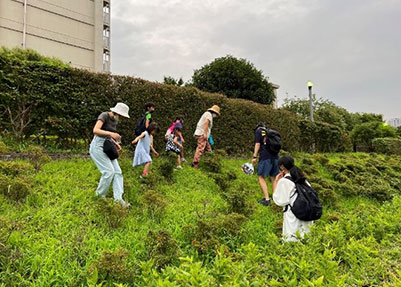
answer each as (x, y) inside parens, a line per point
(387, 145)
(65, 102)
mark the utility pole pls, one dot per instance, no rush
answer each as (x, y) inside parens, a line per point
(310, 85)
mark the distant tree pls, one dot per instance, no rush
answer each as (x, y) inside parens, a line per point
(399, 131)
(363, 134)
(235, 78)
(171, 81)
(324, 111)
(328, 112)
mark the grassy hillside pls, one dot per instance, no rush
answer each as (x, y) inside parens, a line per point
(197, 227)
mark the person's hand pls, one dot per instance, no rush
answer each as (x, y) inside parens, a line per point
(253, 161)
(133, 142)
(183, 141)
(115, 136)
(205, 136)
(279, 176)
(156, 154)
(118, 147)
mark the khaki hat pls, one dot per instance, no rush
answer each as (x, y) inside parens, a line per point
(121, 109)
(215, 109)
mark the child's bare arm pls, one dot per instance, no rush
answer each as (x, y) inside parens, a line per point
(176, 142)
(138, 138)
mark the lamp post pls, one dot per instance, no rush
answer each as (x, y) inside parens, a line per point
(310, 85)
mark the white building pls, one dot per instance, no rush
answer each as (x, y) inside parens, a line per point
(75, 31)
(396, 122)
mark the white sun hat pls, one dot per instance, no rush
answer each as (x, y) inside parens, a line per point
(121, 109)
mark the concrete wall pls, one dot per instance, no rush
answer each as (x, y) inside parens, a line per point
(71, 30)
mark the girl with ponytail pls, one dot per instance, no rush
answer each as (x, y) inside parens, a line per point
(284, 194)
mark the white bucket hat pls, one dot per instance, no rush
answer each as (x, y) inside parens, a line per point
(121, 109)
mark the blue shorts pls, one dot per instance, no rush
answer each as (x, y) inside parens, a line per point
(268, 167)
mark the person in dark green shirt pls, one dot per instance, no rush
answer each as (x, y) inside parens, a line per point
(150, 107)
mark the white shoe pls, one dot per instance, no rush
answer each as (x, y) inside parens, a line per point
(183, 159)
(179, 167)
(124, 204)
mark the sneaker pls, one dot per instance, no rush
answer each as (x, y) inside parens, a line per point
(183, 159)
(124, 204)
(179, 167)
(264, 201)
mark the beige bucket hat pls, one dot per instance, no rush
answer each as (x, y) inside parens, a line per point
(121, 109)
(215, 109)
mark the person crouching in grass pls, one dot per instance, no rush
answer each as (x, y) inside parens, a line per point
(175, 145)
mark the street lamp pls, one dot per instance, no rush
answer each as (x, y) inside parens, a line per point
(310, 85)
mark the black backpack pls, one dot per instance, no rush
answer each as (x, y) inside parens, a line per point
(140, 125)
(272, 141)
(306, 206)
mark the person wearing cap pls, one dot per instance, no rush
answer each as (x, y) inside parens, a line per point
(268, 161)
(202, 133)
(106, 127)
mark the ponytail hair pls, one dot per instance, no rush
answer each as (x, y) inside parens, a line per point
(296, 173)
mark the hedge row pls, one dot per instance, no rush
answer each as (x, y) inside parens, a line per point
(65, 102)
(387, 145)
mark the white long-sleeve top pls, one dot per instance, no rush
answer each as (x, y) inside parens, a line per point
(282, 197)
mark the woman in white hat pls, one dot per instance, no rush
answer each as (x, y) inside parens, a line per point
(202, 133)
(106, 127)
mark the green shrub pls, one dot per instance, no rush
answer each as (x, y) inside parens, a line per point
(15, 168)
(238, 201)
(17, 188)
(322, 159)
(212, 161)
(162, 248)
(112, 212)
(233, 222)
(3, 147)
(387, 145)
(112, 265)
(155, 203)
(37, 156)
(167, 166)
(224, 180)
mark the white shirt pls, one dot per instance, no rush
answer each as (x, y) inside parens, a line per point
(199, 127)
(282, 197)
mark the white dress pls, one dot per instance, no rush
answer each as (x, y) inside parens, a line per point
(142, 151)
(282, 197)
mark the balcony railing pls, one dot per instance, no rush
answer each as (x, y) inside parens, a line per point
(106, 18)
(106, 66)
(106, 43)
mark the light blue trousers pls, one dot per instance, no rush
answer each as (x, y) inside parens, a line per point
(110, 170)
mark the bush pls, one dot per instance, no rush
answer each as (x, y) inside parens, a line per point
(3, 147)
(212, 161)
(112, 265)
(15, 168)
(37, 156)
(387, 145)
(113, 212)
(155, 203)
(17, 188)
(238, 201)
(76, 97)
(167, 166)
(162, 248)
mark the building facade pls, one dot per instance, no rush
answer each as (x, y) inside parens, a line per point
(395, 122)
(74, 31)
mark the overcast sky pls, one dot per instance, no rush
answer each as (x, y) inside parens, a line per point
(350, 49)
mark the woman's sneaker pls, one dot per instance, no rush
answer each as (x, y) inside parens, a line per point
(183, 159)
(179, 167)
(264, 201)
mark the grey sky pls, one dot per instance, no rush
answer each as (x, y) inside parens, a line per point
(350, 49)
